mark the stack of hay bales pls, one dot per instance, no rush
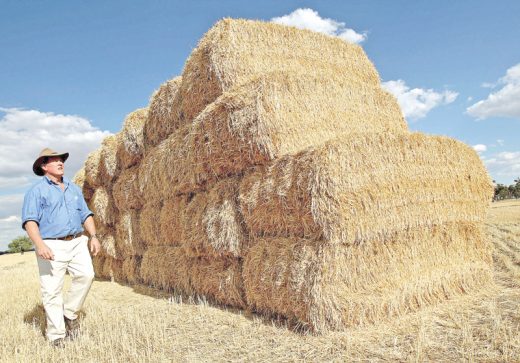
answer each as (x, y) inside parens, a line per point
(276, 174)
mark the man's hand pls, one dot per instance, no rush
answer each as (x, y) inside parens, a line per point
(95, 246)
(44, 252)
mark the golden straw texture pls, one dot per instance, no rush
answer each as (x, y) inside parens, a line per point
(212, 224)
(109, 167)
(283, 113)
(365, 186)
(131, 147)
(160, 121)
(92, 177)
(332, 287)
(233, 51)
(125, 190)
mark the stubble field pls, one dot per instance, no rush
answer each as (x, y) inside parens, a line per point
(139, 324)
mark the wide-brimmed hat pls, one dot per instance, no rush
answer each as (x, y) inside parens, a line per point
(43, 154)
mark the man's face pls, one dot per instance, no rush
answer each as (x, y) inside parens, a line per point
(54, 166)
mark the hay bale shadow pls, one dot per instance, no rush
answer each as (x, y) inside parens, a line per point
(36, 318)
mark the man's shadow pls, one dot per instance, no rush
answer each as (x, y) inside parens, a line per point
(36, 318)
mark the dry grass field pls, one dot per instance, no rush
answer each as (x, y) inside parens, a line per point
(138, 324)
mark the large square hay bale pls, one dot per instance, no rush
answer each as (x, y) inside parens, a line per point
(218, 279)
(233, 51)
(278, 114)
(103, 207)
(109, 167)
(361, 187)
(160, 122)
(211, 222)
(131, 148)
(125, 190)
(331, 287)
(92, 168)
(127, 235)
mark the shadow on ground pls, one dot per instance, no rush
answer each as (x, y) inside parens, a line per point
(36, 318)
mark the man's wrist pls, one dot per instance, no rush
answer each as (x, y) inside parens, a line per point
(93, 235)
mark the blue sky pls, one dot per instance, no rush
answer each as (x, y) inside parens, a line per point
(72, 70)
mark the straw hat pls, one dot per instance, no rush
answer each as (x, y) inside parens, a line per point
(46, 153)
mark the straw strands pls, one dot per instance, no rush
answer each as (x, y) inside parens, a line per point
(109, 166)
(92, 168)
(131, 147)
(127, 236)
(331, 287)
(126, 190)
(278, 114)
(363, 186)
(212, 224)
(218, 279)
(276, 175)
(160, 123)
(233, 51)
(102, 205)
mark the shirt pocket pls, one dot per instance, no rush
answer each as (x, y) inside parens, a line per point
(47, 209)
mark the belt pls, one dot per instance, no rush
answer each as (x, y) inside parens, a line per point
(68, 238)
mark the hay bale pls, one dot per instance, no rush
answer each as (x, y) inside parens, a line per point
(361, 187)
(109, 167)
(113, 269)
(126, 190)
(102, 205)
(283, 113)
(171, 221)
(149, 224)
(79, 180)
(131, 147)
(333, 287)
(233, 51)
(92, 177)
(218, 279)
(167, 169)
(166, 268)
(127, 237)
(131, 269)
(98, 262)
(212, 223)
(108, 242)
(160, 121)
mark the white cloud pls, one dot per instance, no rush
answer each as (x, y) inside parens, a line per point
(310, 19)
(417, 102)
(10, 221)
(500, 142)
(24, 134)
(504, 166)
(503, 103)
(480, 148)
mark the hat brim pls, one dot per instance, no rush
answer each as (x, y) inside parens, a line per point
(37, 165)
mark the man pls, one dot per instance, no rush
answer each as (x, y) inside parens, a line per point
(54, 211)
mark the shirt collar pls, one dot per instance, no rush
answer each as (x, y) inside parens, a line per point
(49, 181)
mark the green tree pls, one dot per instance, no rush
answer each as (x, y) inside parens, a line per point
(19, 244)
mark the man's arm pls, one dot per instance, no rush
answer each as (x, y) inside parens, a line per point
(34, 234)
(89, 225)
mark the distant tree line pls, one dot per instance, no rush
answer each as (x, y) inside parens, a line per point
(19, 244)
(507, 191)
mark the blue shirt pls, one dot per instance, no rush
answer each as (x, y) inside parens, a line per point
(58, 213)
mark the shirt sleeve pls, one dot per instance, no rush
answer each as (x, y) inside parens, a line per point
(31, 210)
(83, 207)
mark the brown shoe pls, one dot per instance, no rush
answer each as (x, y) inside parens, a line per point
(58, 343)
(72, 327)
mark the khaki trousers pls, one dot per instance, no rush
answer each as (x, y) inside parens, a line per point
(72, 256)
